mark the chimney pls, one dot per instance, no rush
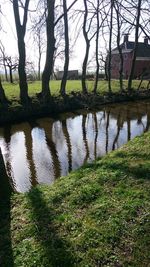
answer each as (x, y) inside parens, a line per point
(146, 40)
(126, 37)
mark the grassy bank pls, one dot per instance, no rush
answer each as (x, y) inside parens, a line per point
(96, 216)
(74, 100)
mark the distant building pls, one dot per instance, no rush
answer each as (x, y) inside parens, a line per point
(142, 64)
(72, 75)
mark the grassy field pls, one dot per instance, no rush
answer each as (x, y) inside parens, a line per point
(12, 90)
(96, 216)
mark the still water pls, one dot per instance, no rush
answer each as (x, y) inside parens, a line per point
(40, 151)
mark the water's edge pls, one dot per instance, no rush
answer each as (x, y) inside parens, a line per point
(70, 103)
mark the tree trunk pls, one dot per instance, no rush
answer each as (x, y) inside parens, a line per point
(6, 76)
(135, 46)
(97, 44)
(48, 69)
(84, 67)
(39, 66)
(120, 51)
(10, 74)
(66, 65)
(40, 53)
(2, 49)
(22, 73)
(3, 98)
(110, 41)
(85, 34)
(106, 70)
(21, 30)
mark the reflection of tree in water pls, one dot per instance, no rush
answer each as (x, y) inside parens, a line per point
(148, 117)
(84, 133)
(68, 142)
(7, 138)
(139, 115)
(27, 129)
(48, 129)
(96, 135)
(107, 128)
(128, 126)
(119, 126)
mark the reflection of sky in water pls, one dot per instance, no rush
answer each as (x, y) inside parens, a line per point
(61, 147)
(19, 164)
(59, 134)
(42, 157)
(75, 131)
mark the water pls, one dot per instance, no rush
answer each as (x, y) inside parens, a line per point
(40, 151)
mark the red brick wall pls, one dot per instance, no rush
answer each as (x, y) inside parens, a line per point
(139, 66)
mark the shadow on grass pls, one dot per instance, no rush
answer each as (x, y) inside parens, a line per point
(55, 250)
(6, 253)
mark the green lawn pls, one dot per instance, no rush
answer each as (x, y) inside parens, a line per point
(96, 216)
(12, 91)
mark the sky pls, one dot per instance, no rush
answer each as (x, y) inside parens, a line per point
(9, 39)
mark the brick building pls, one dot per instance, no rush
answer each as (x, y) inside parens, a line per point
(142, 65)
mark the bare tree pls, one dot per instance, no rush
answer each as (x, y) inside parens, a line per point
(38, 32)
(40, 40)
(3, 98)
(21, 31)
(66, 65)
(50, 49)
(119, 24)
(2, 59)
(110, 46)
(59, 45)
(135, 45)
(85, 34)
(88, 36)
(97, 46)
(12, 64)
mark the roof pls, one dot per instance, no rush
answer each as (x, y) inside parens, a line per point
(142, 51)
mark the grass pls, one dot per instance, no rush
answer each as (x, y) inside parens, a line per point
(96, 216)
(12, 90)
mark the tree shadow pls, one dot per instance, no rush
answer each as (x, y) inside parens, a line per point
(56, 250)
(6, 253)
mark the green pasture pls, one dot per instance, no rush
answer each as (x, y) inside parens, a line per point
(12, 90)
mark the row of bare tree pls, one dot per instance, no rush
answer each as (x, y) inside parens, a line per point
(107, 20)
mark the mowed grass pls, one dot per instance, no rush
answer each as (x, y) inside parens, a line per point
(96, 216)
(12, 90)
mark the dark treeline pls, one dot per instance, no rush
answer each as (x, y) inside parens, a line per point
(97, 21)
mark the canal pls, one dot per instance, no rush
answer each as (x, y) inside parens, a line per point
(41, 151)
